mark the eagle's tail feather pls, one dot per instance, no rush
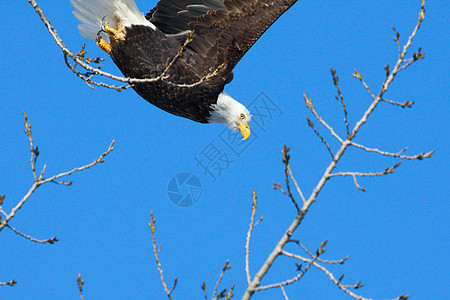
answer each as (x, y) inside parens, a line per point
(92, 14)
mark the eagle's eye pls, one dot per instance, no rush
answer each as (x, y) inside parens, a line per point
(242, 116)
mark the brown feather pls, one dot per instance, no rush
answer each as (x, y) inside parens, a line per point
(222, 36)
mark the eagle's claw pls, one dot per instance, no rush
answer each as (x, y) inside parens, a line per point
(114, 35)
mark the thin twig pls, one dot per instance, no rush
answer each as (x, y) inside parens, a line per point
(359, 76)
(388, 170)
(2, 211)
(225, 267)
(80, 286)
(249, 235)
(311, 124)
(286, 158)
(158, 263)
(402, 297)
(204, 290)
(402, 105)
(331, 262)
(50, 240)
(398, 154)
(355, 181)
(308, 103)
(96, 161)
(34, 151)
(340, 98)
(230, 293)
(288, 173)
(87, 77)
(295, 183)
(319, 251)
(10, 283)
(284, 293)
(179, 53)
(397, 40)
(345, 288)
(40, 180)
(286, 282)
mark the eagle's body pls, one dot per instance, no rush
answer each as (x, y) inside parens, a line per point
(221, 32)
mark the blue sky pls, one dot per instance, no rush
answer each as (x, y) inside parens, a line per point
(396, 233)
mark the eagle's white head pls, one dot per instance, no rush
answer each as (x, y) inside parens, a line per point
(231, 113)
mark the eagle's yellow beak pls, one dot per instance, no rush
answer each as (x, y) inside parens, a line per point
(245, 130)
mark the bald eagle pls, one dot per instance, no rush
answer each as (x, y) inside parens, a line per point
(212, 36)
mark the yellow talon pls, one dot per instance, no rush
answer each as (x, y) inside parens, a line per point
(103, 45)
(113, 34)
(109, 30)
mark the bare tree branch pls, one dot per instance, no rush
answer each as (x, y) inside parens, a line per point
(10, 283)
(40, 180)
(331, 262)
(355, 181)
(284, 293)
(398, 154)
(80, 286)
(204, 290)
(79, 59)
(311, 124)
(222, 294)
(158, 263)
(230, 293)
(87, 76)
(402, 297)
(402, 105)
(278, 250)
(388, 170)
(308, 102)
(286, 282)
(295, 183)
(357, 75)
(287, 172)
(281, 285)
(296, 278)
(345, 288)
(340, 98)
(50, 240)
(249, 234)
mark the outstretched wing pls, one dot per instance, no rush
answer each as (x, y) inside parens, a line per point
(224, 30)
(173, 16)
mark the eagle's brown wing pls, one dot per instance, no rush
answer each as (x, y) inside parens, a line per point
(223, 31)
